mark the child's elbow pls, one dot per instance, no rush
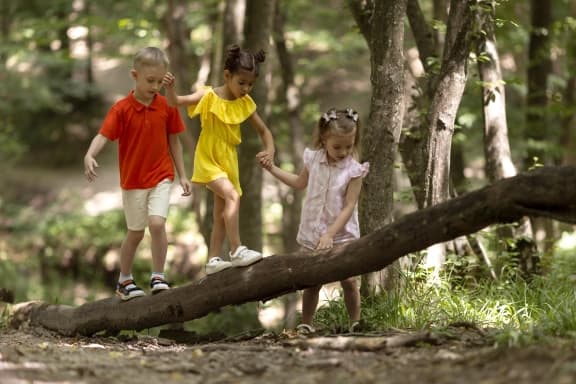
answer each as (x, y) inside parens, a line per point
(300, 185)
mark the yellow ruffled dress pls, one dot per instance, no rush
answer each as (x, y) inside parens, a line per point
(216, 156)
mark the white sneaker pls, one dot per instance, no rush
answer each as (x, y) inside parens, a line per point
(216, 264)
(244, 256)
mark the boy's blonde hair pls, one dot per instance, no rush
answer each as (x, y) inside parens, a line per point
(150, 56)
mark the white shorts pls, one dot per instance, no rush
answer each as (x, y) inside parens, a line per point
(139, 204)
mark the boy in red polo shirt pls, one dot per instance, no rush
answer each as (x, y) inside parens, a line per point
(149, 149)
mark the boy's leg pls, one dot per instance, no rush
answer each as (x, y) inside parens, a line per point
(158, 204)
(158, 242)
(135, 214)
(128, 251)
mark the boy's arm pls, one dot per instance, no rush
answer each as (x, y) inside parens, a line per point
(350, 200)
(90, 163)
(173, 99)
(265, 157)
(178, 158)
(299, 181)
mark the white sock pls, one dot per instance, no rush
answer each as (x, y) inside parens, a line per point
(123, 278)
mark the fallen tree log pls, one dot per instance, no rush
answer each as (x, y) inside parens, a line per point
(546, 192)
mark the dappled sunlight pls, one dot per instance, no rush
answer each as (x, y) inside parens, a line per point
(102, 202)
(567, 241)
(272, 315)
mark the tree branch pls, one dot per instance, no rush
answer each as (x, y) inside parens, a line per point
(547, 192)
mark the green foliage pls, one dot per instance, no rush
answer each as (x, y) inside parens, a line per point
(515, 311)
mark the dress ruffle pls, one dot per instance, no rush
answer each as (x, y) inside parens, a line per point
(360, 170)
(228, 111)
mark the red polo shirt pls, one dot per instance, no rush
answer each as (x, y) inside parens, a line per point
(142, 133)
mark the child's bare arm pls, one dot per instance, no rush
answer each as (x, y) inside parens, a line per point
(178, 158)
(299, 181)
(265, 157)
(173, 98)
(90, 163)
(350, 200)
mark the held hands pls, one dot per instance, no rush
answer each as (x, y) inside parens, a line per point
(325, 242)
(186, 187)
(168, 80)
(90, 165)
(266, 159)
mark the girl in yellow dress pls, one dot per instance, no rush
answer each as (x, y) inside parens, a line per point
(222, 109)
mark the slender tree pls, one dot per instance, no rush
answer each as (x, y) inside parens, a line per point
(257, 32)
(290, 198)
(497, 152)
(539, 68)
(381, 132)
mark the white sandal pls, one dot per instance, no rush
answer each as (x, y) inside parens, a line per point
(305, 329)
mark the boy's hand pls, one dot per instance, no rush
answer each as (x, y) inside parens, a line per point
(266, 159)
(186, 187)
(168, 80)
(90, 165)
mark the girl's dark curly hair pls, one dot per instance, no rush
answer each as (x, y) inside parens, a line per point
(239, 59)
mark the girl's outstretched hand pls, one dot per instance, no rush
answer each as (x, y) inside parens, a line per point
(168, 80)
(266, 159)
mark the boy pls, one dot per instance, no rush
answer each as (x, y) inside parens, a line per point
(149, 149)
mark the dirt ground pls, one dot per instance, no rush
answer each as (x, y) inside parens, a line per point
(458, 355)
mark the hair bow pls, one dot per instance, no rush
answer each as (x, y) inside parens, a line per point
(352, 114)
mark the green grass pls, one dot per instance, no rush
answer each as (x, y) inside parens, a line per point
(516, 311)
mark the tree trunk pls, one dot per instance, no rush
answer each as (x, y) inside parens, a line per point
(182, 64)
(257, 31)
(437, 141)
(291, 199)
(422, 73)
(548, 192)
(382, 131)
(497, 151)
(539, 67)
(568, 136)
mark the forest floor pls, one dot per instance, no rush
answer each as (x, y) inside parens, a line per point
(455, 355)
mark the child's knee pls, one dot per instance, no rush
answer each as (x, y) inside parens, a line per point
(156, 224)
(134, 236)
(349, 284)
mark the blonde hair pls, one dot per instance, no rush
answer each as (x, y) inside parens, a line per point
(338, 122)
(150, 56)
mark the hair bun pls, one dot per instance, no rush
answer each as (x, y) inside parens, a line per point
(260, 56)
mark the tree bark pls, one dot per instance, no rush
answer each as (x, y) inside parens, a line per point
(497, 151)
(257, 31)
(548, 192)
(291, 199)
(382, 132)
(568, 137)
(539, 68)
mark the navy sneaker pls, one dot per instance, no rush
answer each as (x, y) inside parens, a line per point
(128, 290)
(158, 284)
